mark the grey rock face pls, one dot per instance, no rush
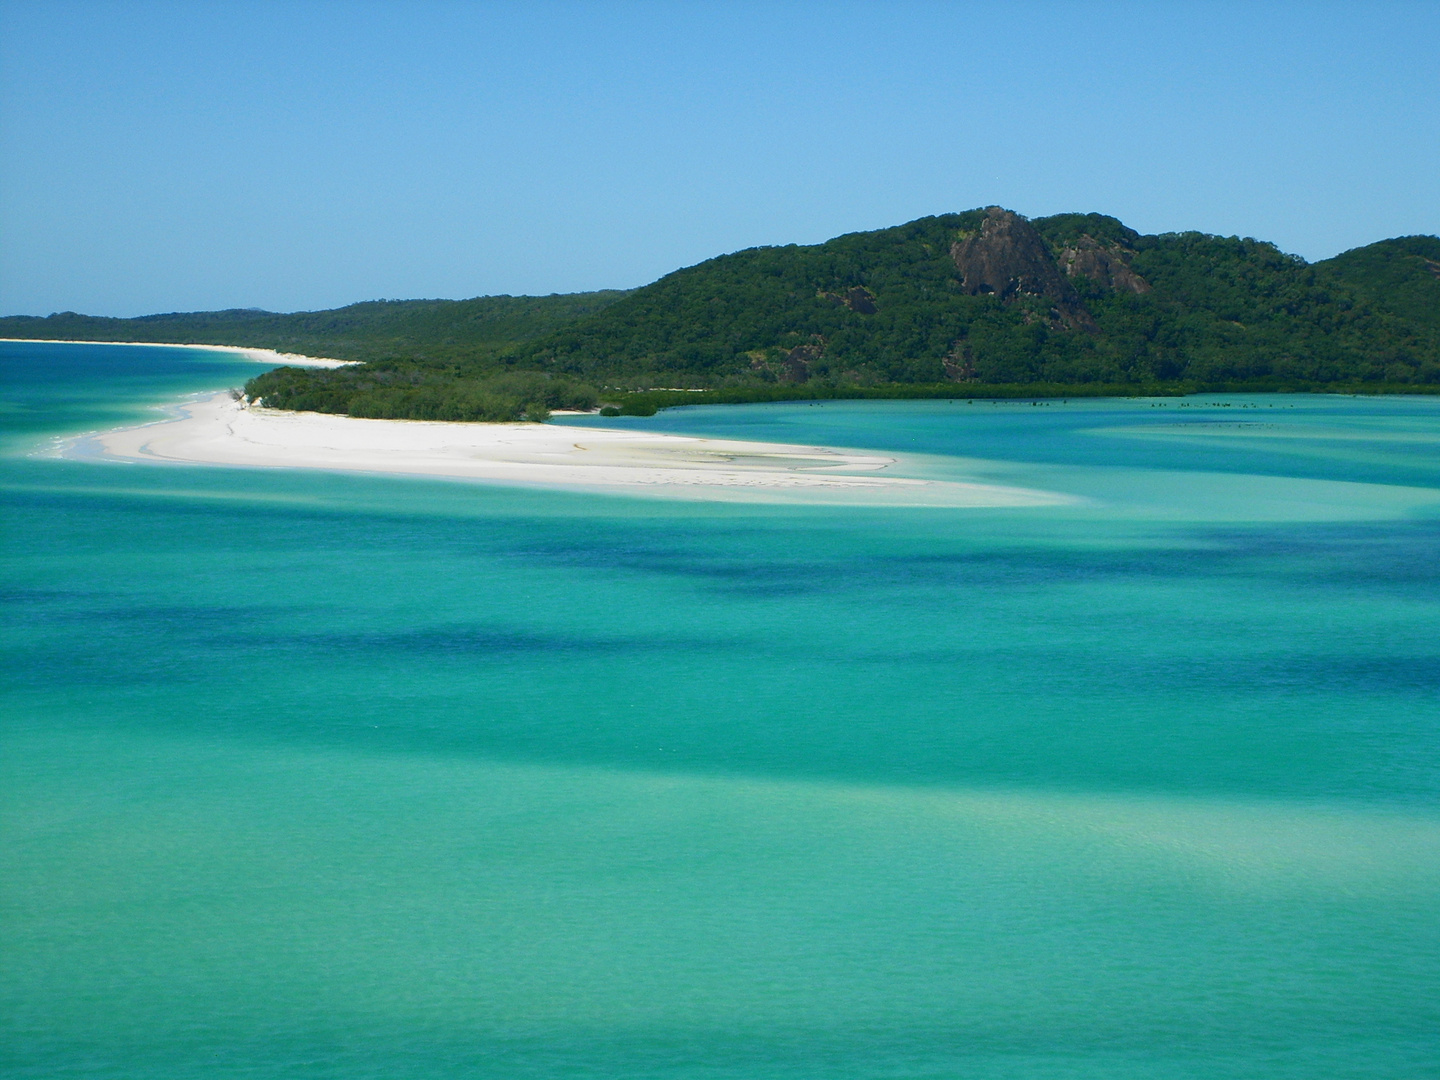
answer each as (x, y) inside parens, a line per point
(1008, 259)
(1104, 264)
(859, 300)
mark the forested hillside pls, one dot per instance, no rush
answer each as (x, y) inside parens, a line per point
(977, 303)
(1401, 276)
(987, 297)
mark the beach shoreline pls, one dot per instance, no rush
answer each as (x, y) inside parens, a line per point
(259, 356)
(219, 430)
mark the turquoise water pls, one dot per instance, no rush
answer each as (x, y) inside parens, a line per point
(323, 775)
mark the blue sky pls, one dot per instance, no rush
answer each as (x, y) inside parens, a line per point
(162, 157)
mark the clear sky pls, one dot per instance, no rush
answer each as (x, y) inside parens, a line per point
(296, 155)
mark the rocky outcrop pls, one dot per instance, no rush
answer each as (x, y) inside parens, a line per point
(797, 362)
(788, 365)
(959, 364)
(1104, 264)
(1008, 259)
(859, 300)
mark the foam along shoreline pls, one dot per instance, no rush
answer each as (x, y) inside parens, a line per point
(260, 356)
(221, 431)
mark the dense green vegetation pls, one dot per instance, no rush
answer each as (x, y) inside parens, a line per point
(975, 304)
(1398, 276)
(1218, 310)
(648, 402)
(418, 392)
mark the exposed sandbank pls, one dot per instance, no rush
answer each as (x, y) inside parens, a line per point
(220, 431)
(260, 356)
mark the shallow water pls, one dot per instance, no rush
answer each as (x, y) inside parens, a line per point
(332, 775)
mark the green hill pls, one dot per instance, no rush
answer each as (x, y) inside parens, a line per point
(1400, 276)
(987, 297)
(984, 302)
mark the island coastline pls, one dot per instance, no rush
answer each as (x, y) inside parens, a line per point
(259, 356)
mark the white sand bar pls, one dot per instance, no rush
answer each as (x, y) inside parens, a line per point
(220, 431)
(260, 356)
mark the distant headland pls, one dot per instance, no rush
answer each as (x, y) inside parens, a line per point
(983, 303)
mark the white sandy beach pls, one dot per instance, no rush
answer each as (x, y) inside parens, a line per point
(220, 431)
(260, 356)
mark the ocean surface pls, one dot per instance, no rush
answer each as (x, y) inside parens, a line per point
(348, 776)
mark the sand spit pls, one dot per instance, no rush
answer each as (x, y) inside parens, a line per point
(220, 431)
(260, 356)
